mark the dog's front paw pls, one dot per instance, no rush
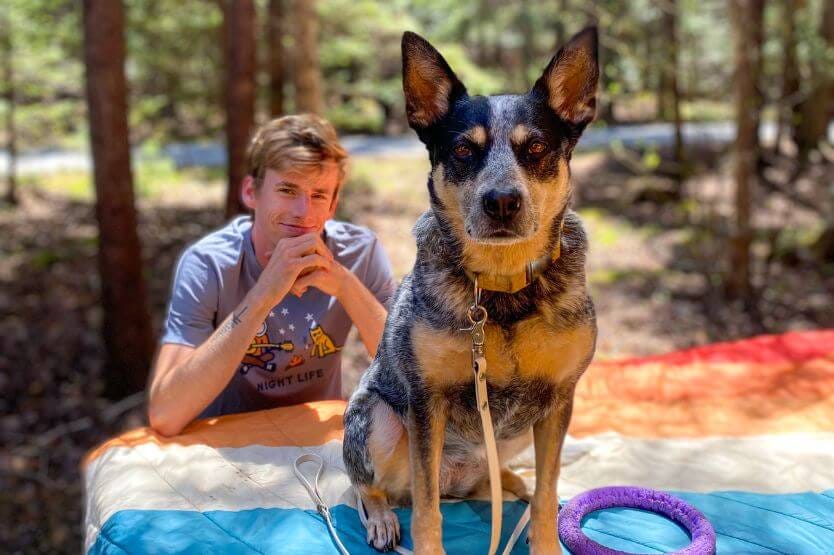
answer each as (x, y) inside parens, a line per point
(383, 529)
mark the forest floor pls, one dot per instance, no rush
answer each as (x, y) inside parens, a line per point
(655, 271)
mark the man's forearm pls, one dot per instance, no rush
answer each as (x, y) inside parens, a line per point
(365, 311)
(186, 390)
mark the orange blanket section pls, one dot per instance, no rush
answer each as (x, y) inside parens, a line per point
(302, 425)
(764, 385)
(768, 384)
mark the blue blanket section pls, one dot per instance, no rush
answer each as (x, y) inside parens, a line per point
(745, 523)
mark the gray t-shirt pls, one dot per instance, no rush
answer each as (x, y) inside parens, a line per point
(295, 356)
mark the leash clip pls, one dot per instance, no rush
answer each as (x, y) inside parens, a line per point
(477, 316)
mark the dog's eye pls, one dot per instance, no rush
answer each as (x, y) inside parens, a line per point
(537, 148)
(462, 151)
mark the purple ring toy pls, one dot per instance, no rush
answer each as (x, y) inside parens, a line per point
(570, 518)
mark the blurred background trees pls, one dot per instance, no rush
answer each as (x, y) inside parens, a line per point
(658, 54)
(208, 72)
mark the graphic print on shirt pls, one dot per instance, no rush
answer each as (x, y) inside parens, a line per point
(260, 353)
(296, 360)
(322, 343)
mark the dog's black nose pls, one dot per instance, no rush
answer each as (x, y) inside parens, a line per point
(502, 205)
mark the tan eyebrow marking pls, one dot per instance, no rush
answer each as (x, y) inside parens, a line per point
(519, 134)
(477, 135)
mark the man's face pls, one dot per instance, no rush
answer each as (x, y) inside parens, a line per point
(293, 202)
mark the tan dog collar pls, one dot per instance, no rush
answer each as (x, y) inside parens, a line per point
(512, 283)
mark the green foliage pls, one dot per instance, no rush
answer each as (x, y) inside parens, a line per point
(702, 109)
(357, 115)
(154, 177)
(607, 230)
(175, 61)
(44, 258)
(651, 158)
(175, 69)
(47, 73)
(360, 60)
(75, 185)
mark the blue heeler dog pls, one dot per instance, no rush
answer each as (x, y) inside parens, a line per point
(500, 189)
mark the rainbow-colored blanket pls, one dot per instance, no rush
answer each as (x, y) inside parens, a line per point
(744, 431)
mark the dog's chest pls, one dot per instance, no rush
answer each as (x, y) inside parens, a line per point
(514, 407)
(524, 370)
(531, 351)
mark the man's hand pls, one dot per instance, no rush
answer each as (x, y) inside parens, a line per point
(330, 280)
(293, 257)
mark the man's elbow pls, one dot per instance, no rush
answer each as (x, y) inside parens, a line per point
(162, 423)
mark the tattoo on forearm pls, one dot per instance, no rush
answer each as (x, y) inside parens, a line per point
(235, 320)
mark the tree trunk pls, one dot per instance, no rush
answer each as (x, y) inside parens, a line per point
(823, 247)
(746, 18)
(816, 110)
(665, 67)
(758, 98)
(275, 41)
(607, 61)
(239, 25)
(790, 70)
(127, 329)
(308, 90)
(480, 32)
(559, 26)
(7, 53)
(645, 51)
(670, 70)
(528, 47)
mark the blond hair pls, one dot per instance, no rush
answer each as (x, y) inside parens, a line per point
(303, 141)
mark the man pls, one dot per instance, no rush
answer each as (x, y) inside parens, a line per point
(261, 307)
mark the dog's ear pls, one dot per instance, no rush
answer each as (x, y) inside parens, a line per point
(569, 82)
(430, 85)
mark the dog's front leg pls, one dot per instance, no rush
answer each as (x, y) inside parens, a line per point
(426, 433)
(548, 436)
